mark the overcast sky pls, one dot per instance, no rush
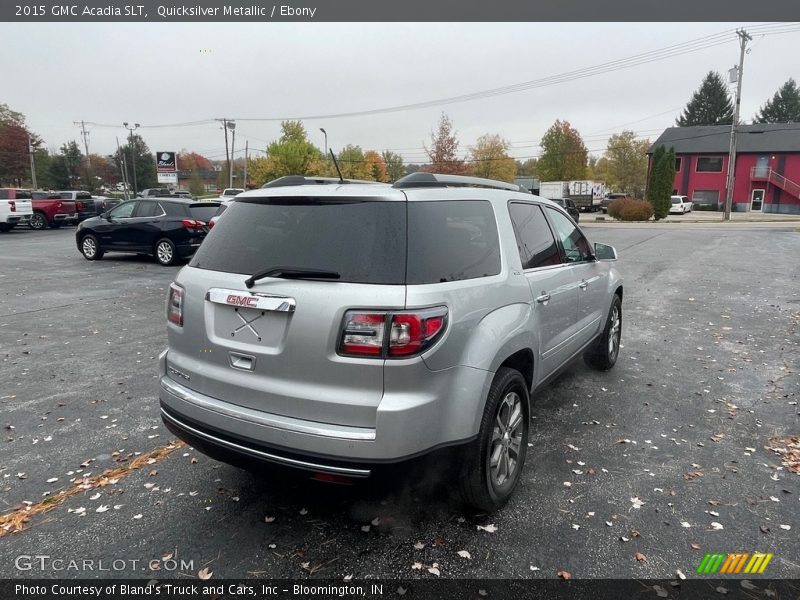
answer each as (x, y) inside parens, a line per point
(166, 74)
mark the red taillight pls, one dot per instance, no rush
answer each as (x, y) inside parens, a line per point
(410, 333)
(363, 334)
(193, 224)
(12, 205)
(175, 304)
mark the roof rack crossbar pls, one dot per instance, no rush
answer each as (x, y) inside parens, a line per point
(292, 180)
(419, 179)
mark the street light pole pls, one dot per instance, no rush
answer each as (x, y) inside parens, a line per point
(133, 153)
(232, 126)
(325, 133)
(744, 37)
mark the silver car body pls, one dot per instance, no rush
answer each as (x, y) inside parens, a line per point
(268, 382)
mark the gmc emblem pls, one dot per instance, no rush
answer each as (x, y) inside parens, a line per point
(248, 301)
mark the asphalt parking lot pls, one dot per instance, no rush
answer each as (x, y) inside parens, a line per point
(632, 473)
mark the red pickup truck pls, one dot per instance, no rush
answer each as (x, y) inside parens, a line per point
(50, 209)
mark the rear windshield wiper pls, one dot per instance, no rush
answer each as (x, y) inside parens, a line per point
(291, 273)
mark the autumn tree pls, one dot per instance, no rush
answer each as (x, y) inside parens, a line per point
(527, 168)
(489, 159)
(64, 170)
(395, 169)
(192, 161)
(783, 107)
(442, 152)
(353, 163)
(376, 165)
(15, 166)
(709, 105)
(624, 166)
(564, 154)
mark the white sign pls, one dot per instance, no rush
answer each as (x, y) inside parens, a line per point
(168, 178)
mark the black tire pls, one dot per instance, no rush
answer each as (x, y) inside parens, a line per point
(164, 252)
(90, 248)
(482, 486)
(38, 221)
(4, 227)
(603, 355)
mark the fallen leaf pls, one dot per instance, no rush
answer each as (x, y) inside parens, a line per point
(534, 568)
(269, 519)
(660, 592)
(464, 554)
(764, 529)
(204, 573)
(491, 528)
(102, 508)
(715, 525)
(695, 546)
(565, 574)
(137, 517)
(637, 502)
(786, 527)
(745, 583)
(685, 524)
(96, 496)
(721, 590)
(303, 511)
(419, 546)
(640, 557)
(680, 574)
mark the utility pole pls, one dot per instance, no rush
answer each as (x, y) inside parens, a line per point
(85, 136)
(744, 37)
(225, 126)
(123, 168)
(33, 163)
(246, 148)
(133, 153)
(232, 127)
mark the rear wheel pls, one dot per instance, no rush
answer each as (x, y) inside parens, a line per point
(165, 252)
(38, 221)
(494, 461)
(604, 354)
(90, 248)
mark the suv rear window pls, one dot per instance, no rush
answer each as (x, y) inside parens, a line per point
(364, 240)
(202, 212)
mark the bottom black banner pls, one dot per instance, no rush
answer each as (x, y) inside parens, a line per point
(445, 589)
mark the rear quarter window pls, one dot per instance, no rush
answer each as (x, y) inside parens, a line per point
(202, 213)
(451, 241)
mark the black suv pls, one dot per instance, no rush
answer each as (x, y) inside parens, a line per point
(166, 228)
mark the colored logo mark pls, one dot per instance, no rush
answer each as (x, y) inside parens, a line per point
(734, 563)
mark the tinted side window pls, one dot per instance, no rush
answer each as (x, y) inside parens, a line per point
(203, 213)
(576, 247)
(23, 195)
(535, 242)
(123, 211)
(3, 194)
(148, 209)
(451, 241)
(173, 209)
(83, 196)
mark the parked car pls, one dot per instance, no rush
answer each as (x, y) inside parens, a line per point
(83, 202)
(418, 315)
(183, 194)
(570, 207)
(15, 207)
(609, 199)
(168, 229)
(153, 192)
(104, 203)
(49, 210)
(680, 205)
(228, 194)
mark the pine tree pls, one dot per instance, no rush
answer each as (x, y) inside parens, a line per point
(662, 176)
(709, 105)
(784, 106)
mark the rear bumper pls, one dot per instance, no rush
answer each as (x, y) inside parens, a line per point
(410, 422)
(15, 218)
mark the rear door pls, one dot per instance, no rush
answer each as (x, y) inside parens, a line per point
(553, 289)
(273, 347)
(144, 227)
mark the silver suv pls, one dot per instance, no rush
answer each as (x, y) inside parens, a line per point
(338, 327)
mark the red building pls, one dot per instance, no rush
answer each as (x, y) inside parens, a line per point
(767, 175)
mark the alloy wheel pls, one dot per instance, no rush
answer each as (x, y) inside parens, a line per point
(504, 451)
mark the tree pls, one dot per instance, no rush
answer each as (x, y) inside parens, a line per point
(10, 116)
(196, 185)
(489, 159)
(15, 163)
(136, 151)
(564, 154)
(784, 106)
(709, 105)
(291, 154)
(376, 165)
(64, 170)
(395, 168)
(353, 164)
(192, 161)
(527, 168)
(624, 166)
(662, 176)
(442, 151)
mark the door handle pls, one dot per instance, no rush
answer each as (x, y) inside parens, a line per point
(583, 284)
(543, 298)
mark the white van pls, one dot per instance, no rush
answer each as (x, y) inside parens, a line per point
(680, 205)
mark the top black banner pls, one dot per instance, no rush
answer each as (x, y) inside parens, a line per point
(405, 11)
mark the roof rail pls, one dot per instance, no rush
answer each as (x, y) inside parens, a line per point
(419, 179)
(290, 180)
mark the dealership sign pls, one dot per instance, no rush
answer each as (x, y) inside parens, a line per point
(166, 162)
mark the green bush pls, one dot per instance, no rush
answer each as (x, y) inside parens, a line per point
(630, 209)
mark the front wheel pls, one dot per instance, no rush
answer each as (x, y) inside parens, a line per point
(38, 221)
(165, 252)
(494, 461)
(90, 248)
(604, 354)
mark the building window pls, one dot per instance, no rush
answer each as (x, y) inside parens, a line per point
(677, 164)
(709, 164)
(705, 200)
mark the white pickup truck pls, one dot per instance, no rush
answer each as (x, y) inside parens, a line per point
(15, 207)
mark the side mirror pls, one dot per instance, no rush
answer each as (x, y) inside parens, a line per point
(605, 252)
